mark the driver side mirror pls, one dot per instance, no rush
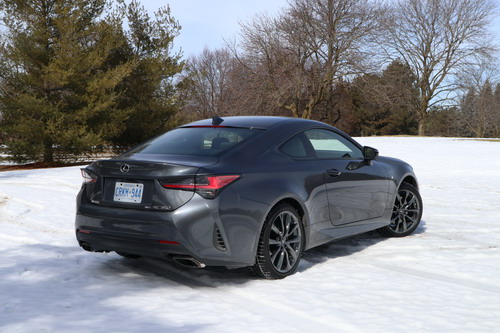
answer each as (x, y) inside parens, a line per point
(369, 153)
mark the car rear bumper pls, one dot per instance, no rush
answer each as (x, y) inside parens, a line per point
(194, 230)
(98, 241)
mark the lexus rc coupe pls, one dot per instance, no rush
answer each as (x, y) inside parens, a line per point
(243, 191)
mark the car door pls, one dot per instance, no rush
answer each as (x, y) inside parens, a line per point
(357, 189)
(303, 165)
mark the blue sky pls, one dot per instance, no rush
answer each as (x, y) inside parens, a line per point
(209, 22)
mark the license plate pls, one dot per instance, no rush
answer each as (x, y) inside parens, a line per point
(128, 192)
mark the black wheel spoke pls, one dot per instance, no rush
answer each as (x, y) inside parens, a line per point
(403, 222)
(288, 264)
(292, 252)
(281, 256)
(274, 242)
(291, 232)
(399, 199)
(293, 240)
(412, 201)
(282, 230)
(412, 219)
(398, 223)
(288, 221)
(275, 254)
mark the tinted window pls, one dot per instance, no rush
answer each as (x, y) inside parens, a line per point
(206, 141)
(294, 147)
(329, 144)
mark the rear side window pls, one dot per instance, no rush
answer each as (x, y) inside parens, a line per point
(207, 141)
(294, 147)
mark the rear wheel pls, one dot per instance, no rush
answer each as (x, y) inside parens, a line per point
(406, 212)
(280, 245)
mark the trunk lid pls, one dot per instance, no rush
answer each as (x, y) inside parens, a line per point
(137, 184)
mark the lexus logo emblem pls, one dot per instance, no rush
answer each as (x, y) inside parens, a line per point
(125, 168)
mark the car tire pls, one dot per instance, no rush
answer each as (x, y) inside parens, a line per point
(281, 244)
(406, 212)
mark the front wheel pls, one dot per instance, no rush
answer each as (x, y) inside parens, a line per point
(280, 244)
(406, 212)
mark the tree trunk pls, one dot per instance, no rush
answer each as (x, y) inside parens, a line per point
(48, 151)
(422, 115)
(421, 126)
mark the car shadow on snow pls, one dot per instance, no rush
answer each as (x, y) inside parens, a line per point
(62, 288)
(346, 247)
(208, 277)
(213, 277)
(44, 284)
(59, 288)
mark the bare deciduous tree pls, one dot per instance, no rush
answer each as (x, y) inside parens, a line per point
(298, 58)
(476, 111)
(496, 113)
(436, 38)
(206, 85)
(479, 113)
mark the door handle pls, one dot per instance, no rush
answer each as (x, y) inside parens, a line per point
(333, 172)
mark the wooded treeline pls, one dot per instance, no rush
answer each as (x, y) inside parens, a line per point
(77, 77)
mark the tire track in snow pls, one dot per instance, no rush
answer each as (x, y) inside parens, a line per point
(3, 199)
(460, 238)
(279, 311)
(16, 211)
(438, 277)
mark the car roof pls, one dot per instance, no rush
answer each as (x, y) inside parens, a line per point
(263, 122)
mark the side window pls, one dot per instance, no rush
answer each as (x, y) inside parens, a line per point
(294, 147)
(327, 144)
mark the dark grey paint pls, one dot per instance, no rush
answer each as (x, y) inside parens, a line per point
(358, 200)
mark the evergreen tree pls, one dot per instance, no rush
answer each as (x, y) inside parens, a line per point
(72, 78)
(384, 104)
(150, 91)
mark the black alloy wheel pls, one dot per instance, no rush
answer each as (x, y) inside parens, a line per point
(281, 244)
(406, 212)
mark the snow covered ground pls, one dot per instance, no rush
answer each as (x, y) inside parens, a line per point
(444, 278)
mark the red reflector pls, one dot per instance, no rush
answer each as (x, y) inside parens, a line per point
(169, 242)
(83, 231)
(180, 186)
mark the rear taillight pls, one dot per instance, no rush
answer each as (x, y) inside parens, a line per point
(88, 177)
(206, 186)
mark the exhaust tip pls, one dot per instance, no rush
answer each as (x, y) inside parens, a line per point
(187, 261)
(86, 246)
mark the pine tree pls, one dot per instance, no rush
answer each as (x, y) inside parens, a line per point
(385, 104)
(150, 91)
(73, 79)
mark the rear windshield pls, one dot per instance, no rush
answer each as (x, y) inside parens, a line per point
(207, 141)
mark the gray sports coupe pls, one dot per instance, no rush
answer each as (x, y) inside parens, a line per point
(243, 191)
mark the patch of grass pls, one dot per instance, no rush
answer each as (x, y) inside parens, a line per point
(479, 139)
